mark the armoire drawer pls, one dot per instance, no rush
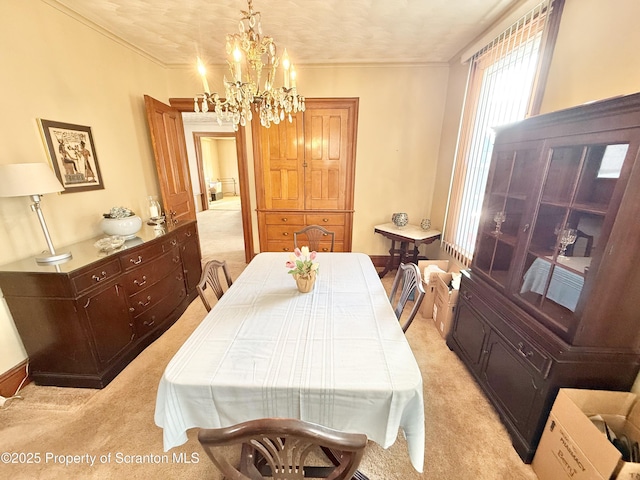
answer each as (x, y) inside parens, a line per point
(283, 218)
(324, 219)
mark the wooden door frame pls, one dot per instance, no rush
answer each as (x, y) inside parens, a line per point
(186, 105)
(197, 137)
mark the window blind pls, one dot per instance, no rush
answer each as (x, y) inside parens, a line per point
(499, 91)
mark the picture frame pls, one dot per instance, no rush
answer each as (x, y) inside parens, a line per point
(72, 153)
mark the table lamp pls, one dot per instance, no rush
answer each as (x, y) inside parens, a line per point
(34, 180)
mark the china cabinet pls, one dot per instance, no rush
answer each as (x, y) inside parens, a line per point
(551, 299)
(305, 174)
(84, 320)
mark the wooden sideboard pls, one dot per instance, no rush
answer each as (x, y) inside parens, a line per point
(84, 320)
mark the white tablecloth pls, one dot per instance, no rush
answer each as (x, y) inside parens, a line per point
(335, 356)
(565, 286)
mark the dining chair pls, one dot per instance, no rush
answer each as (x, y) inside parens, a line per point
(278, 448)
(211, 279)
(409, 277)
(314, 234)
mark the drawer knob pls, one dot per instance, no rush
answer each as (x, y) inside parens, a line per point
(176, 259)
(522, 352)
(286, 234)
(285, 249)
(188, 234)
(102, 276)
(144, 304)
(325, 220)
(325, 249)
(174, 242)
(147, 323)
(285, 219)
(140, 282)
(136, 262)
(466, 295)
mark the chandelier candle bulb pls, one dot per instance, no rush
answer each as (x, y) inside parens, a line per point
(237, 56)
(203, 73)
(285, 66)
(292, 73)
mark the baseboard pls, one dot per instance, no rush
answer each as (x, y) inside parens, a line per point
(11, 380)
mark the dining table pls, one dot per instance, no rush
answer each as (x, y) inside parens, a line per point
(335, 356)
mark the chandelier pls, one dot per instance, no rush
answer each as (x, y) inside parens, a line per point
(243, 96)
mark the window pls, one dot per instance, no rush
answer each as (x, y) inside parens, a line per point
(502, 80)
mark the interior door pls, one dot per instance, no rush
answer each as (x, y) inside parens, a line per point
(172, 164)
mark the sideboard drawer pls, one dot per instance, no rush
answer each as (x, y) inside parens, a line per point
(147, 298)
(146, 275)
(99, 274)
(144, 255)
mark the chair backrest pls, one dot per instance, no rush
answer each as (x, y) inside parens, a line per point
(211, 279)
(278, 448)
(315, 234)
(409, 277)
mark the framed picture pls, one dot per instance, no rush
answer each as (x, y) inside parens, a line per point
(73, 155)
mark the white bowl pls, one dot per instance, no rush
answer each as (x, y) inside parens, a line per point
(127, 227)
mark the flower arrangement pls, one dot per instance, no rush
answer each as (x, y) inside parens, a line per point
(302, 262)
(119, 212)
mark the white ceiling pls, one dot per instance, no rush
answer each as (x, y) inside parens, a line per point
(174, 32)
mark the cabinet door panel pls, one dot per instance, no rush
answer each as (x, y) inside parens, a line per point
(282, 165)
(109, 321)
(326, 158)
(511, 382)
(470, 332)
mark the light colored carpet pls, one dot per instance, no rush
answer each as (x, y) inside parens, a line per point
(464, 437)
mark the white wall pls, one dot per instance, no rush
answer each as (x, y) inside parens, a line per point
(55, 68)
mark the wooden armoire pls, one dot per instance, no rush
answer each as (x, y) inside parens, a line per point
(305, 173)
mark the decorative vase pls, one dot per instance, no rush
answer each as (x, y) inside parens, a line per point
(127, 226)
(305, 283)
(425, 224)
(400, 219)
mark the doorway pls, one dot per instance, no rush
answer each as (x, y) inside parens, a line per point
(208, 122)
(220, 214)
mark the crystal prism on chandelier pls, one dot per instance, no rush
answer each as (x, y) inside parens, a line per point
(243, 96)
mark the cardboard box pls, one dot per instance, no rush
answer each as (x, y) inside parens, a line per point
(444, 304)
(572, 447)
(429, 284)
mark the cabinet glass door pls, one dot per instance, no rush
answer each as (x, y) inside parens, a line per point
(578, 187)
(509, 186)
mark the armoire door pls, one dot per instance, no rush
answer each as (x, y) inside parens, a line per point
(309, 163)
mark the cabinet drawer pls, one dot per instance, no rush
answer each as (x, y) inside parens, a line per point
(147, 275)
(160, 311)
(148, 297)
(277, 246)
(96, 275)
(324, 219)
(282, 232)
(284, 219)
(187, 232)
(144, 255)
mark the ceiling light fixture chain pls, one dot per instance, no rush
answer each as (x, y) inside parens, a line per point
(243, 96)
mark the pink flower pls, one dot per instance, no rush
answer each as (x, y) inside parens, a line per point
(297, 252)
(290, 264)
(313, 255)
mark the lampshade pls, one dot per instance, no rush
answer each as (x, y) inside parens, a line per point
(23, 179)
